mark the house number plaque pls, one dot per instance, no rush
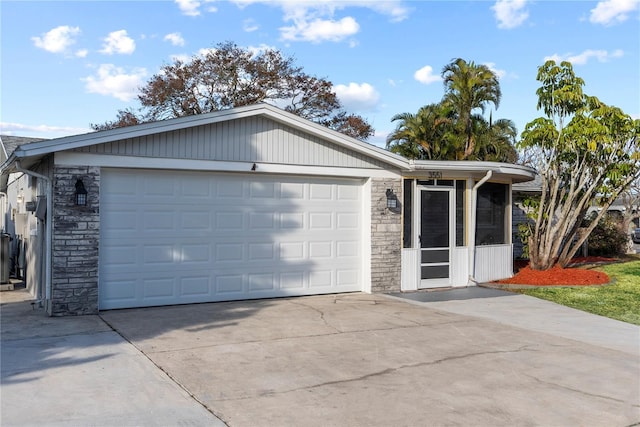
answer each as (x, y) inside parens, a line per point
(434, 175)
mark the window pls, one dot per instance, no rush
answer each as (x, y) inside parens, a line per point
(491, 220)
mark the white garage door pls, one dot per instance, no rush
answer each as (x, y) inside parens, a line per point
(171, 237)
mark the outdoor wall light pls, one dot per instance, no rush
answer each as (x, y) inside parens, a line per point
(81, 193)
(392, 199)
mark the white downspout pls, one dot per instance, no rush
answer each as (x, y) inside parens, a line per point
(472, 229)
(48, 232)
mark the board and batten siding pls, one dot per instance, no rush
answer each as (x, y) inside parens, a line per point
(253, 139)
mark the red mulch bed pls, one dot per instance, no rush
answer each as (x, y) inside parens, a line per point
(556, 276)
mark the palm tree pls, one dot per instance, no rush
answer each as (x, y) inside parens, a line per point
(423, 135)
(495, 141)
(469, 87)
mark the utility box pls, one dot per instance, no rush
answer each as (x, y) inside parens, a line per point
(5, 257)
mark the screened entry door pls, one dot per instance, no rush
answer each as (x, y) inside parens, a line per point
(436, 237)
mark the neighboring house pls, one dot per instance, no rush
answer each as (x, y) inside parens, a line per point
(17, 196)
(253, 202)
(521, 191)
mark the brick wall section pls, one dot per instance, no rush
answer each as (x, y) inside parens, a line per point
(386, 237)
(76, 233)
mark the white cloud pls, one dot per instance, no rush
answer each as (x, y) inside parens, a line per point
(113, 81)
(192, 7)
(118, 42)
(262, 48)
(316, 21)
(395, 9)
(584, 57)
(492, 66)
(81, 53)
(57, 40)
(609, 12)
(510, 13)
(320, 30)
(425, 75)
(206, 50)
(189, 7)
(176, 39)
(249, 25)
(42, 131)
(357, 97)
(180, 57)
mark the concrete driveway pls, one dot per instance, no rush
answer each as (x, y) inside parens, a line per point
(77, 371)
(363, 360)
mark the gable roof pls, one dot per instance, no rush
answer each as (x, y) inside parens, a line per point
(529, 187)
(10, 143)
(42, 148)
(28, 153)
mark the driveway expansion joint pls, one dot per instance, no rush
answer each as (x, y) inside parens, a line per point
(168, 374)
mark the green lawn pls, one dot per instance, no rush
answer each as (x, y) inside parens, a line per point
(620, 301)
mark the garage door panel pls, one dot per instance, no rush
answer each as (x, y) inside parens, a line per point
(158, 288)
(229, 284)
(292, 220)
(261, 252)
(292, 190)
(320, 192)
(195, 286)
(319, 278)
(215, 237)
(346, 277)
(292, 280)
(229, 220)
(199, 221)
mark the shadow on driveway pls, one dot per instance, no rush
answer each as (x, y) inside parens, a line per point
(371, 360)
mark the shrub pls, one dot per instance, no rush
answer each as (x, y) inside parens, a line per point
(608, 239)
(524, 232)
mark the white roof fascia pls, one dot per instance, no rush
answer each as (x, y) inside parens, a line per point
(518, 173)
(93, 138)
(101, 137)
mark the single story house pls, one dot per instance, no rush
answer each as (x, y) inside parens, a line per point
(251, 202)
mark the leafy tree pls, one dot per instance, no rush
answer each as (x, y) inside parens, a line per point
(230, 76)
(419, 136)
(124, 118)
(455, 129)
(469, 87)
(587, 153)
(495, 141)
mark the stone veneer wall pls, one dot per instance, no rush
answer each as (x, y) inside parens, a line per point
(386, 236)
(76, 234)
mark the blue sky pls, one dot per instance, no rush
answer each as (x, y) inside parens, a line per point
(68, 64)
